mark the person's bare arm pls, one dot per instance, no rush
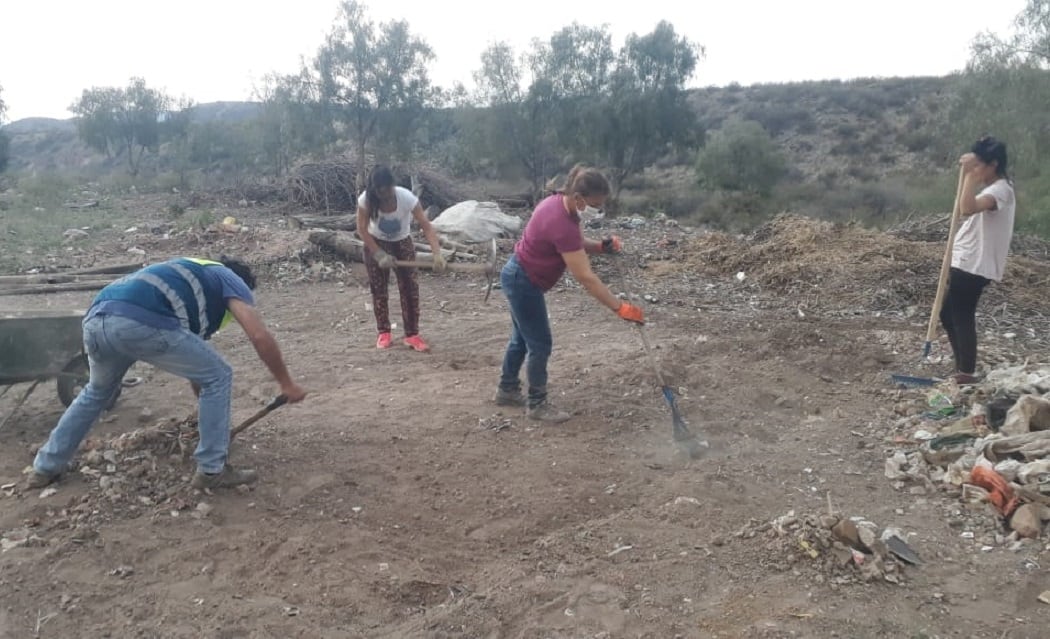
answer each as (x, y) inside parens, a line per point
(266, 347)
(580, 266)
(362, 230)
(969, 202)
(428, 229)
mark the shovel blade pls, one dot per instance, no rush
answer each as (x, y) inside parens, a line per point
(913, 381)
(686, 440)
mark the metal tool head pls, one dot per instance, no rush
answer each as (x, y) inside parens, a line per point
(690, 444)
(491, 271)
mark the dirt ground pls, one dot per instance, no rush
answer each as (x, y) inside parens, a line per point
(397, 501)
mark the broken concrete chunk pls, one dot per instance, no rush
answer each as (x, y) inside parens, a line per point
(1030, 413)
(1025, 521)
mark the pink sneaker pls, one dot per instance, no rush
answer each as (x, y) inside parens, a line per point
(385, 341)
(416, 343)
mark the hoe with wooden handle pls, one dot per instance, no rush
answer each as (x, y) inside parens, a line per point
(946, 265)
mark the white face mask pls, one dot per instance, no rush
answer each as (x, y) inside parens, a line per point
(590, 211)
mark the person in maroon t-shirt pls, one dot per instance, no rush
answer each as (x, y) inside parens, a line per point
(552, 241)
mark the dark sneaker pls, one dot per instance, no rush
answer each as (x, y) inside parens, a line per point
(37, 479)
(509, 398)
(546, 413)
(965, 379)
(229, 477)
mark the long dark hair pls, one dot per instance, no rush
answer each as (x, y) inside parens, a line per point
(380, 177)
(583, 180)
(988, 150)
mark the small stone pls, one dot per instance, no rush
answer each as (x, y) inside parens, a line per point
(122, 571)
(1025, 521)
(867, 536)
(146, 415)
(846, 532)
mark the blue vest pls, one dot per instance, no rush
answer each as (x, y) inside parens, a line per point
(179, 288)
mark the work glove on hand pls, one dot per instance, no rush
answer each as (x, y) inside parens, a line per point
(440, 265)
(383, 259)
(631, 313)
(612, 244)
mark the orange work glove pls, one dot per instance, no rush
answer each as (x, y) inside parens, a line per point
(631, 313)
(612, 244)
(999, 491)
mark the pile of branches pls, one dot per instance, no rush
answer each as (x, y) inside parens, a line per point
(331, 185)
(431, 186)
(328, 186)
(934, 228)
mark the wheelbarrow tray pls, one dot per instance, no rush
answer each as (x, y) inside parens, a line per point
(37, 345)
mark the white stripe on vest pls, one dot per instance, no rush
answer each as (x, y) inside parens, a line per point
(198, 292)
(170, 294)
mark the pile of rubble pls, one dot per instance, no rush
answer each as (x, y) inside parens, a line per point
(841, 550)
(986, 444)
(141, 472)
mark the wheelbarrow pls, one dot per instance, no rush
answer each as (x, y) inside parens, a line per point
(37, 346)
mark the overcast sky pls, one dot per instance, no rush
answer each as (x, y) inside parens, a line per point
(208, 50)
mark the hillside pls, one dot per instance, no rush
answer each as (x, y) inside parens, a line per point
(831, 129)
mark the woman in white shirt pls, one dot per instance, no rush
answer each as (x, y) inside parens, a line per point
(981, 245)
(384, 221)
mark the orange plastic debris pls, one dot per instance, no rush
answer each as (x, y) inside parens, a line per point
(999, 491)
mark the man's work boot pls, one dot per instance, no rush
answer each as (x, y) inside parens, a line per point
(228, 477)
(509, 398)
(545, 412)
(37, 479)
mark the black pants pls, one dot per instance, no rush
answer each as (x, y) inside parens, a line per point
(959, 317)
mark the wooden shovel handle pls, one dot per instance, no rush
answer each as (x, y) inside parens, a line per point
(946, 263)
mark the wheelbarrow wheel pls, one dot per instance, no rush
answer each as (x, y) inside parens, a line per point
(74, 378)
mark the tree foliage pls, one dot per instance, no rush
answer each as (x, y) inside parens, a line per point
(5, 142)
(1004, 92)
(521, 103)
(574, 97)
(741, 157)
(1006, 88)
(123, 121)
(365, 71)
(292, 121)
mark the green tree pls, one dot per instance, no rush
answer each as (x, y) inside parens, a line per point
(646, 114)
(5, 142)
(175, 128)
(1004, 92)
(365, 72)
(291, 122)
(740, 157)
(1006, 88)
(1027, 46)
(577, 60)
(122, 121)
(522, 119)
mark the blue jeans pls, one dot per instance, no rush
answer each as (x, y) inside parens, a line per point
(530, 334)
(113, 344)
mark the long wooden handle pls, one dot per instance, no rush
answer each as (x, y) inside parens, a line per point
(274, 404)
(946, 263)
(452, 266)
